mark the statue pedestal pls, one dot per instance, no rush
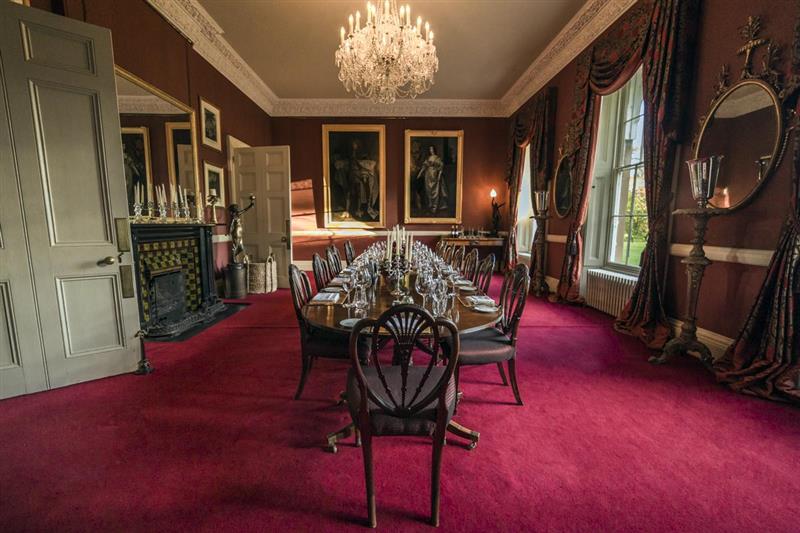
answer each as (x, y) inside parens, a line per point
(236, 281)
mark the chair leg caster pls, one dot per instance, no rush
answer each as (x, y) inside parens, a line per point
(333, 438)
(465, 433)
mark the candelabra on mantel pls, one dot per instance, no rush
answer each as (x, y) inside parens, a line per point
(541, 203)
(703, 173)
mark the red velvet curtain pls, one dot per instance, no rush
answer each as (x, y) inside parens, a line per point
(658, 35)
(534, 125)
(765, 358)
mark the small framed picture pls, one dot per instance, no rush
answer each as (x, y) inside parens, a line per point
(215, 183)
(210, 125)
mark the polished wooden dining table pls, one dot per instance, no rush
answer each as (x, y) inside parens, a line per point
(329, 316)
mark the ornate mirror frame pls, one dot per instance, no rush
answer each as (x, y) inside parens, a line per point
(121, 72)
(564, 159)
(768, 78)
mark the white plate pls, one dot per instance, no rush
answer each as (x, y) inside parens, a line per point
(466, 288)
(463, 282)
(349, 322)
(485, 309)
(333, 289)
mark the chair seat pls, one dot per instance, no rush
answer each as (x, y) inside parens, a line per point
(423, 422)
(333, 345)
(482, 347)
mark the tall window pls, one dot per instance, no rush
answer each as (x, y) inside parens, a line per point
(628, 232)
(525, 222)
(617, 223)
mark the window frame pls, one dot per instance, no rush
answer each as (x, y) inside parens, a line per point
(614, 179)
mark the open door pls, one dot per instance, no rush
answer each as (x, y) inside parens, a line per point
(68, 185)
(265, 172)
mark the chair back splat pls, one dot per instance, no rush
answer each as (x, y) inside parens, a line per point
(470, 266)
(349, 252)
(483, 276)
(334, 259)
(409, 334)
(513, 296)
(300, 288)
(457, 258)
(322, 271)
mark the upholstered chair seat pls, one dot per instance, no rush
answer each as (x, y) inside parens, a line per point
(486, 346)
(332, 345)
(423, 422)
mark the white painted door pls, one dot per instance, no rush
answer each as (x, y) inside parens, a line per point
(265, 171)
(60, 93)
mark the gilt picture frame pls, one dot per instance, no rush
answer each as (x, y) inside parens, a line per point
(214, 178)
(433, 177)
(354, 175)
(136, 161)
(210, 125)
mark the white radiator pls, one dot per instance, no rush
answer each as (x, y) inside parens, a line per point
(608, 291)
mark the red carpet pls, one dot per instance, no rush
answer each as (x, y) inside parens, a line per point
(213, 441)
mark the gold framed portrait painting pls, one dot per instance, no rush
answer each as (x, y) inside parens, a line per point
(136, 162)
(354, 175)
(433, 177)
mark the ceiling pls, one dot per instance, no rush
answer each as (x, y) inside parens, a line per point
(484, 46)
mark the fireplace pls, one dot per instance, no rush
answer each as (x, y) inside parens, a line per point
(174, 271)
(168, 296)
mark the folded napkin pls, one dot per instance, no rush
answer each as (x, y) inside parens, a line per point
(480, 300)
(325, 298)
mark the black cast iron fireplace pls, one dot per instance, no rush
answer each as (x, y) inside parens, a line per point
(175, 277)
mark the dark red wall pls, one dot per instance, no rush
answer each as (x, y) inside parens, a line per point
(484, 168)
(728, 289)
(149, 47)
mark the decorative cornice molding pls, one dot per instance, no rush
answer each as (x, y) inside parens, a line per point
(724, 254)
(145, 105)
(580, 32)
(197, 25)
(354, 107)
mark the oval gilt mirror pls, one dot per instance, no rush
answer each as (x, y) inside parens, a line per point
(745, 126)
(562, 187)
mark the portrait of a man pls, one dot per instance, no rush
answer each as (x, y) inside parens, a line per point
(136, 162)
(433, 176)
(354, 174)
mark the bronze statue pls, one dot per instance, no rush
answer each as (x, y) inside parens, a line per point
(236, 230)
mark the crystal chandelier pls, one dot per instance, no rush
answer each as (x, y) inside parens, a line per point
(387, 58)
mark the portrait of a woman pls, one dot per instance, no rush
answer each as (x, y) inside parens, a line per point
(433, 176)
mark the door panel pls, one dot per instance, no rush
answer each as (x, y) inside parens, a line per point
(21, 353)
(61, 93)
(9, 336)
(50, 47)
(76, 213)
(265, 171)
(90, 316)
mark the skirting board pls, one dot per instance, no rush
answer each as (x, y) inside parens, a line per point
(717, 343)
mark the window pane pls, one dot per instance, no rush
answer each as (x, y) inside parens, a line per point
(623, 187)
(631, 147)
(618, 243)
